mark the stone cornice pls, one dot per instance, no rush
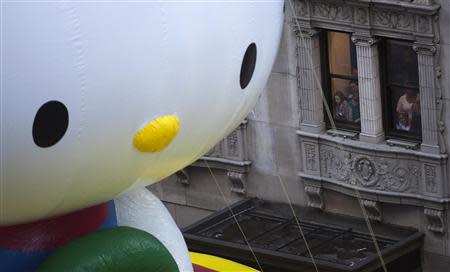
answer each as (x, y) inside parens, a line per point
(397, 19)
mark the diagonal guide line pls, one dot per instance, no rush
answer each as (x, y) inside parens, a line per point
(234, 215)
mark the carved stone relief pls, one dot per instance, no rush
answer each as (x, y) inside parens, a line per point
(424, 24)
(232, 142)
(376, 173)
(435, 219)
(332, 11)
(430, 182)
(238, 182)
(310, 156)
(361, 16)
(393, 19)
(415, 20)
(183, 176)
(372, 209)
(314, 195)
(302, 8)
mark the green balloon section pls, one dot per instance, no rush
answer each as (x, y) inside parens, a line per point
(115, 249)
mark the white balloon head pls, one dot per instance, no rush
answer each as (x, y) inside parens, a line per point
(80, 79)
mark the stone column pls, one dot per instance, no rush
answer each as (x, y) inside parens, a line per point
(369, 89)
(309, 81)
(428, 107)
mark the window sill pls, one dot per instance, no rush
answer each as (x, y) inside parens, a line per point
(404, 144)
(343, 134)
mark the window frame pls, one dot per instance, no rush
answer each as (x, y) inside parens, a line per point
(387, 116)
(327, 77)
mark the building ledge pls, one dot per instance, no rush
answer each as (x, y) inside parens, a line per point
(384, 147)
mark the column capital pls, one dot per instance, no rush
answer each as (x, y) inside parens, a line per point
(305, 31)
(364, 40)
(425, 48)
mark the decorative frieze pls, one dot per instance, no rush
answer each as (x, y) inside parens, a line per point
(436, 222)
(378, 173)
(332, 11)
(401, 176)
(403, 19)
(394, 20)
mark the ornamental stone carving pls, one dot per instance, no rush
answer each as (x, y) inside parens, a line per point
(310, 156)
(366, 171)
(302, 8)
(372, 209)
(370, 172)
(436, 222)
(376, 172)
(430, 182)
(238, 182)
(424, 24)
(361, 16)
(232, 142)
(402, 19)
(332, 11)
(393, 19)
(314, 195)
(183, 176)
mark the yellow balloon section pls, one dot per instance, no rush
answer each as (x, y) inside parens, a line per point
(218, 264)
(157, 134)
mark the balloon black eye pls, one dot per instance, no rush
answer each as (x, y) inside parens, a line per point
(50, 123)
(248, 65)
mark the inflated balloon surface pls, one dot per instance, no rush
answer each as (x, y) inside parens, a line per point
(82, 81)
(99, 98)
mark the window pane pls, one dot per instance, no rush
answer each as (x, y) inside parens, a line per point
(342, 54)
(402, 64)
(406, 110)
(402, 90)
(342, 80)
(345, 104)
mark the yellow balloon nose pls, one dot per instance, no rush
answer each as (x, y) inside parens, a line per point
(157, 134)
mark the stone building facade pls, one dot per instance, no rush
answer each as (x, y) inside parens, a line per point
(384, 142)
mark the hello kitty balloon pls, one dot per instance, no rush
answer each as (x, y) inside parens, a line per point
(99, 99)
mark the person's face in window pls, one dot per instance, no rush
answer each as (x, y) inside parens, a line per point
(411, 93)
(354, 87)
(337, 99)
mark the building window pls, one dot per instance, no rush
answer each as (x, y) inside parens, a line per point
(340, 79)
(400, 90)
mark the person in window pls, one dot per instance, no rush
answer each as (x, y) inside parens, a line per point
(342, 111)
(408, 111)
(353, 101)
